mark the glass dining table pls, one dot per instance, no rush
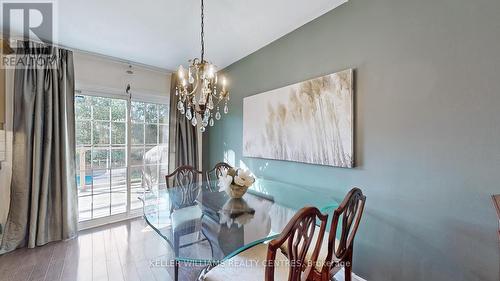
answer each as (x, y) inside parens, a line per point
(214, 227)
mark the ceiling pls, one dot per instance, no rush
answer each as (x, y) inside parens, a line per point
(165, 33)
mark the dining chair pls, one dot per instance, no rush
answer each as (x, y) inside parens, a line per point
(183, 189)
(337, 253)
(267, 262)
(215, 173)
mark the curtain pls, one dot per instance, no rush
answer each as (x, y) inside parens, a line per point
(43, 186)
(183, 136)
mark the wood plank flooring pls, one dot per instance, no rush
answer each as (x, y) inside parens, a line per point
(118, 252)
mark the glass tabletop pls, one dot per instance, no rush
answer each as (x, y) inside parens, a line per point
(207, 226)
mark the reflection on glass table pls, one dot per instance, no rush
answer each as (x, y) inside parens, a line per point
(222, 227)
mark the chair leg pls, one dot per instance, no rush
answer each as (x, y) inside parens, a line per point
(348, 273)
(348, 266)
(176, 270)
(176, 251)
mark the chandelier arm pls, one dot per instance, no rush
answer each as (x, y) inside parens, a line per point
(195, 85)
(215, 95)
(219, 101)
(194, 89)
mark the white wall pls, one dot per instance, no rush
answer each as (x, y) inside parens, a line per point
(95, 72)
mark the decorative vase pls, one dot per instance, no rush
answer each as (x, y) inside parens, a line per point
(236, 191)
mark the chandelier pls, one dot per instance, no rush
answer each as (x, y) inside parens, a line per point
(198, 90)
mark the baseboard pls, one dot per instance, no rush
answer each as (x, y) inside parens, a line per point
(341, 276)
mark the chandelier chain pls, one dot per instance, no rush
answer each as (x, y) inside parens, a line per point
(202, 33)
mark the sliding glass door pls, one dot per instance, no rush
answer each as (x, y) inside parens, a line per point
(121, 150)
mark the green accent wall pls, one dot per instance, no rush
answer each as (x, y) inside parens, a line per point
(427, 129)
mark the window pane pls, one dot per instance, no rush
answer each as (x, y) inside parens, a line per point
(101, 133)
(150, 176)
(101, 196)
(136, 177)
(84, 185)
(118, 191)
(151, 134)
(83, 132)
(163, 152)
(164, 134)
(84, 206)
(163, 113)
(137, 134)
(138, 111)
(83, 159)
(118, 110)
(83, 108)
(101, 108)
(163, 172)
(136, 187)
(100, 158)
(118, 133)
(118, 157)
(152, 155)
(136, 156)
(151, 113)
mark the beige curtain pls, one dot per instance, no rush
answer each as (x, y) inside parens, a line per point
(43, 187)
(183, 136)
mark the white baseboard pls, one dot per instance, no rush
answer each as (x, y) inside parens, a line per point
(341, 276)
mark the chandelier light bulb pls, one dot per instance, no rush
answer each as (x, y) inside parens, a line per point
(211, 71)
(180, 72)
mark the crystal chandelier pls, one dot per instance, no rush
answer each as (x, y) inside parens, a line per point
(198, 90)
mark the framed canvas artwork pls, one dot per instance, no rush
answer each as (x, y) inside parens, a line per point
(310, 122)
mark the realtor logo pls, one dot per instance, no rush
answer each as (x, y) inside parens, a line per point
(27, 20)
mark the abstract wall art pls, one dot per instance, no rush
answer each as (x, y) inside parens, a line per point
(310, 122)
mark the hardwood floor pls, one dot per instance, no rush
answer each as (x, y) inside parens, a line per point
(126, 251)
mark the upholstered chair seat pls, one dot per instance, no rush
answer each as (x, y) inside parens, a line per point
(183, 189)
(186, 217)
(249, 266)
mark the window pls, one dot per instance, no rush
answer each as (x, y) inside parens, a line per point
(149, 149)
(113, 169)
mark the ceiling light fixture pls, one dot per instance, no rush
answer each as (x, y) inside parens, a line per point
(200, 90)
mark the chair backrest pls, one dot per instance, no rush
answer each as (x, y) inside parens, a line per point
(183, 187)
(298, 234)
(350, 210)
(217, 170)
(215, 173)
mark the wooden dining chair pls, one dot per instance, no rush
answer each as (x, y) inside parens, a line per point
(183, 189)
(215, 173)
(334, 253)
(267, 262)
